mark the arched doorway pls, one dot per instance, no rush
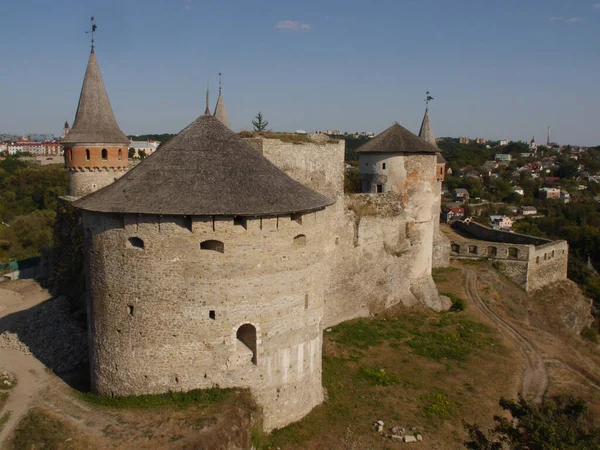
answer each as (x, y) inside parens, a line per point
(246, 334)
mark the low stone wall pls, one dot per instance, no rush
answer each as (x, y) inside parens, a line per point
(530, 262)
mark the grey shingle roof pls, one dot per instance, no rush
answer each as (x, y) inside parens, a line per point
(221, 112)
(397, 139)
(426, 131)
(94, 120)
(205, 170)
(440, 158)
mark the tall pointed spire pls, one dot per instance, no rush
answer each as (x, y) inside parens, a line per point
(207, 110)
(94, 120)
(220, 111)
(426, 131)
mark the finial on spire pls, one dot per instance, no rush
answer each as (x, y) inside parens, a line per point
(92, 32)
(219, 82)
(207, 110)
(428, 98)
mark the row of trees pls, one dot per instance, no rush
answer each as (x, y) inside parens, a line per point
(28, 199)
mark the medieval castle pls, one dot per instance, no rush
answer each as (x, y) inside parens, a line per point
(219, 261)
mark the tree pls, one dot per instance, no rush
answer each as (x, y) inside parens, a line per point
(259, 124)
(557, 423)
(142, 154)
(131, 154)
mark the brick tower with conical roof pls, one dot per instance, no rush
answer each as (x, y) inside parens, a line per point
(96, 150)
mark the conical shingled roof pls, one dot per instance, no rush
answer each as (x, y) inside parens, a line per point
(205, 170)
(94, 120)
(426, 131)
(397, 139)
(221, 112)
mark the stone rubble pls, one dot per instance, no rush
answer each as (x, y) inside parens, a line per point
(398, 433)
(51, 333)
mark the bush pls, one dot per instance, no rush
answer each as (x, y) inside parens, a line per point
(437, 405)
(589, 334)
(377, 377)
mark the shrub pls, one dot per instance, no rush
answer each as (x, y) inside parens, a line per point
(589, 334)
(437, 405)
(377, 377)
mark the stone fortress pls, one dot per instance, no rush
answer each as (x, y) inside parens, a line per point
(219, 261)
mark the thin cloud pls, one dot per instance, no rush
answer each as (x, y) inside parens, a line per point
(555, 19)
(596, 5)
(574, 19)
(292, 25)
(188, 4)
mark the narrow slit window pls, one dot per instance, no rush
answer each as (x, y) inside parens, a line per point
(104, 154)
(212, 315)
(87, 154)
(130, 310)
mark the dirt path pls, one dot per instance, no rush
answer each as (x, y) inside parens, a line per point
(30, 373)
(535, 377)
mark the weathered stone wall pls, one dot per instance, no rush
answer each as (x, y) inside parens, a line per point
(86, 181)
(547, 264)
(320, 166)
(383, 243)
(530, 266)
(166, 316)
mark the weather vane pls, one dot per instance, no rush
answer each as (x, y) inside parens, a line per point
(92, 32)
(427, 100)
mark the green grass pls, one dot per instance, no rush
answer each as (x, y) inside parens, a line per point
(178, 400)
(377, 377)
(363, 386)
(447, 336)
(437, 405)
(38, 430)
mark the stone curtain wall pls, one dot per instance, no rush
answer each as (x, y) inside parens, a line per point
(319, 166)
(532, 267)
(378, 247)
(547, 264)
(166, 317)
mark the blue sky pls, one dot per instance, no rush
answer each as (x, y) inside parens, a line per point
(496, 68)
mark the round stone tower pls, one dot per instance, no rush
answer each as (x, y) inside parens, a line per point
(205, 268)
(96, 150)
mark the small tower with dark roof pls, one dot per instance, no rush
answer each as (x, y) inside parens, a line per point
(220, 111)
(96, 150)
(66, 129)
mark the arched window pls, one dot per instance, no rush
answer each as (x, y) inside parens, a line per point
(135, 242)
(300, 240)
(246, 334)
(120, 154)
(104, 154)
(87, 154)
(216, 246)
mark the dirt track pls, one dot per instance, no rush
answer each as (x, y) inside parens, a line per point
(535, 378)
